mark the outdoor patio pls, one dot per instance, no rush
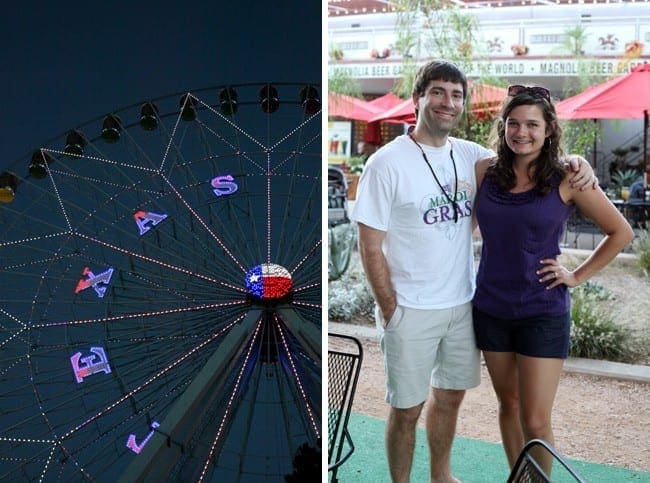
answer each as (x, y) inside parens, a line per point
(594, 440)
(472, 461)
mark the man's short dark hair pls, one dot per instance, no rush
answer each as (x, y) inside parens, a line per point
(438, 70)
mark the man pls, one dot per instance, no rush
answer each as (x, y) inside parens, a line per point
(414, 211)
(637, 212)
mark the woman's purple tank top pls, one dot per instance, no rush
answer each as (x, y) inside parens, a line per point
(519, 230)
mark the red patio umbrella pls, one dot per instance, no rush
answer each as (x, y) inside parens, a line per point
(483, 97)
(386, 101)
(486, 95)
(402, 112)
(566, 109)
(625, 97)
(373, 130)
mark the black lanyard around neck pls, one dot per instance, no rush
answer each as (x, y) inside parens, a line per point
(451, 200)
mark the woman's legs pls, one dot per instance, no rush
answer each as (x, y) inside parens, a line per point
(538, 381)
(502, 367)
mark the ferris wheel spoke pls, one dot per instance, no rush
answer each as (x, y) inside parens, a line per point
(38, 453)
(308, 245)
(127, 372)
(180, 425)
(128, 227)
(145, 384)
(142, 315)
(293, 375)
(309, 259)
(291, 237)
(268, 406)
(12, 327)
(305, 332)
(295, 136)
(236, 129)
(205, 226)
(237, 220)
(155, 261)
(79, 185)
(243, 155)
(172, 135)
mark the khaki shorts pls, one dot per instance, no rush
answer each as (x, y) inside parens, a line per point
(427, 347)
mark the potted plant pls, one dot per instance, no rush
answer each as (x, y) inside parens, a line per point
(622, 180)
(355, 164)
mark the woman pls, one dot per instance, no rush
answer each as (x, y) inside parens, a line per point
(522, 306)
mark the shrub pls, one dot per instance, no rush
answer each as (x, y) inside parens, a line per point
(341, 242)
(350, 296)
(624, 177)
(594, 333)
(346, 303)
(595, 290)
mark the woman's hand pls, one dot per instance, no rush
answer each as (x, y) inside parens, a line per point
(555, 273)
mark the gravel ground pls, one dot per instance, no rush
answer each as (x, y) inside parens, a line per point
(595, 418)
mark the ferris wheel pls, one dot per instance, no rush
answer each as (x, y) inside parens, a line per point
(161, 292)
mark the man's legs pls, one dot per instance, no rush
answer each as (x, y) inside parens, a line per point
(408, 350)
(400, 441)
(441, 415)
(411, 349)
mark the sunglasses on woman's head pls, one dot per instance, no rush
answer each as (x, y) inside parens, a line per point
(536, 91)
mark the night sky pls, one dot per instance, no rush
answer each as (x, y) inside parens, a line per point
(64, 63)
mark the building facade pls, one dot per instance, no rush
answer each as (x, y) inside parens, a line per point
(560, 45)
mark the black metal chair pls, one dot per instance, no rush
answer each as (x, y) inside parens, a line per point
(580, 228)
(344, 357)
(526, 469)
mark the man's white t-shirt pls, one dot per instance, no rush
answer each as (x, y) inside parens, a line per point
(429, 256)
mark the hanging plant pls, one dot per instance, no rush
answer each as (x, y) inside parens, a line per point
(465, 49)
(336, 53)
(634, 48)
(375, 54)
(519, 49)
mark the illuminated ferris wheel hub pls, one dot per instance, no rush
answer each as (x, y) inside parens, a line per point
(268, 281)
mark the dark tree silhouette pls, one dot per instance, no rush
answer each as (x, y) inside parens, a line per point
(306, 465)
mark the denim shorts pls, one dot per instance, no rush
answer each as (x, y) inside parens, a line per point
(542, 336)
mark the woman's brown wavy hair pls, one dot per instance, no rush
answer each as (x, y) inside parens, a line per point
(548, 168)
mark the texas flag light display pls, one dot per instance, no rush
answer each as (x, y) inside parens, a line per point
(268, 281)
